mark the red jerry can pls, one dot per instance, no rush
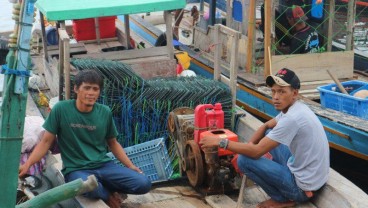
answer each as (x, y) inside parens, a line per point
(207, 117)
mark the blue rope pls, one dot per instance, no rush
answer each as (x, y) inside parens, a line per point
(23, 73)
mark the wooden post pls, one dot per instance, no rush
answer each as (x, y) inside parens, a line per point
(331, 19)
(60, 193)
(217, 55)
(97, 29)
(44, 40)
(169, 34)
(127, 31)
(234, 64)
(350, 25)
(267, 36)
(245, 11)
(61, 63)
(65, 40)
(243, 186)
(251, 34)
(229, 13)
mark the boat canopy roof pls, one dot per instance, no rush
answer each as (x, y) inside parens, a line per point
(57, 10)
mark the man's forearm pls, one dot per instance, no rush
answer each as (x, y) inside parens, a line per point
(120, 154)
(39, 152)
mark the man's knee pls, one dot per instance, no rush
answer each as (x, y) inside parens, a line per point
(243, 163)
(142, 186)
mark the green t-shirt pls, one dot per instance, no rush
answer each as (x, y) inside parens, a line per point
(82, 137)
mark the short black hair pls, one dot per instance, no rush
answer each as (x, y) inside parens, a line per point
(88, 76)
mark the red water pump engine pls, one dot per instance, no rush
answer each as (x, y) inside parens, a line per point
(207, 168)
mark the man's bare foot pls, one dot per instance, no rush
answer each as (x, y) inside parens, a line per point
(309, 194)
(274, 204)
(114, 200)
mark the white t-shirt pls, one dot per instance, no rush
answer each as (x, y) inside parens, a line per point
(303, 133)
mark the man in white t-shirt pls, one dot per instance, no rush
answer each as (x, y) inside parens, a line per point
(297, 142)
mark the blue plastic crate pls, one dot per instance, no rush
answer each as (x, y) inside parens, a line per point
(151, 157)
(331, 97)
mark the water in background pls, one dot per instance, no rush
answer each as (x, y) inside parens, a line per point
(6, 21)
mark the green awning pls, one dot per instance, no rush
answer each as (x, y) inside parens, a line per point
(55, 10)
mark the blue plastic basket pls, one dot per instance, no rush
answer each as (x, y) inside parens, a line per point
(331, 97)
(151, 157)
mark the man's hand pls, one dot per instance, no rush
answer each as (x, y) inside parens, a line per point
(210, 142)
(133, 167)
(23, 169)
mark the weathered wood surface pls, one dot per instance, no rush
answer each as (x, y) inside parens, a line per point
(127, 54)
(312, 67)
(181, 196)
(77, 48)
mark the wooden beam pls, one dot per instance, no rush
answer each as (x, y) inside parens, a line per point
(44, 40)
(65, 39)
(350, 25)
(251, 35)
(61, 62)
(217, 53)
(330, 24)
(267, 36)
(127, 31)
(97, 29)
(234, 66)
(127, 54)
(229, 13)
(169, 34)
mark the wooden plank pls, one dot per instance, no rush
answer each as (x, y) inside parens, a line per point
(220, 201)
(321, 82)
(341, 192)
(312, 67)
(72, 45)
(251, 35)
(127, 54)
(350, 24)
(169, 34)
(95, 203)
(267, 37)
(331, 19)
(217, 53)
(308, 91)
(154, 68)
(73, 51)
(181, 196)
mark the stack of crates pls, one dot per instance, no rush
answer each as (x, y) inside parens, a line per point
(151, 157)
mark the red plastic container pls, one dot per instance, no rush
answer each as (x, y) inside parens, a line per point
(207, 117)
(221, 133)
(84, 29)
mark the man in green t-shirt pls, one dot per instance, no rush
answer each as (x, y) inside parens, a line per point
(84, 129)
